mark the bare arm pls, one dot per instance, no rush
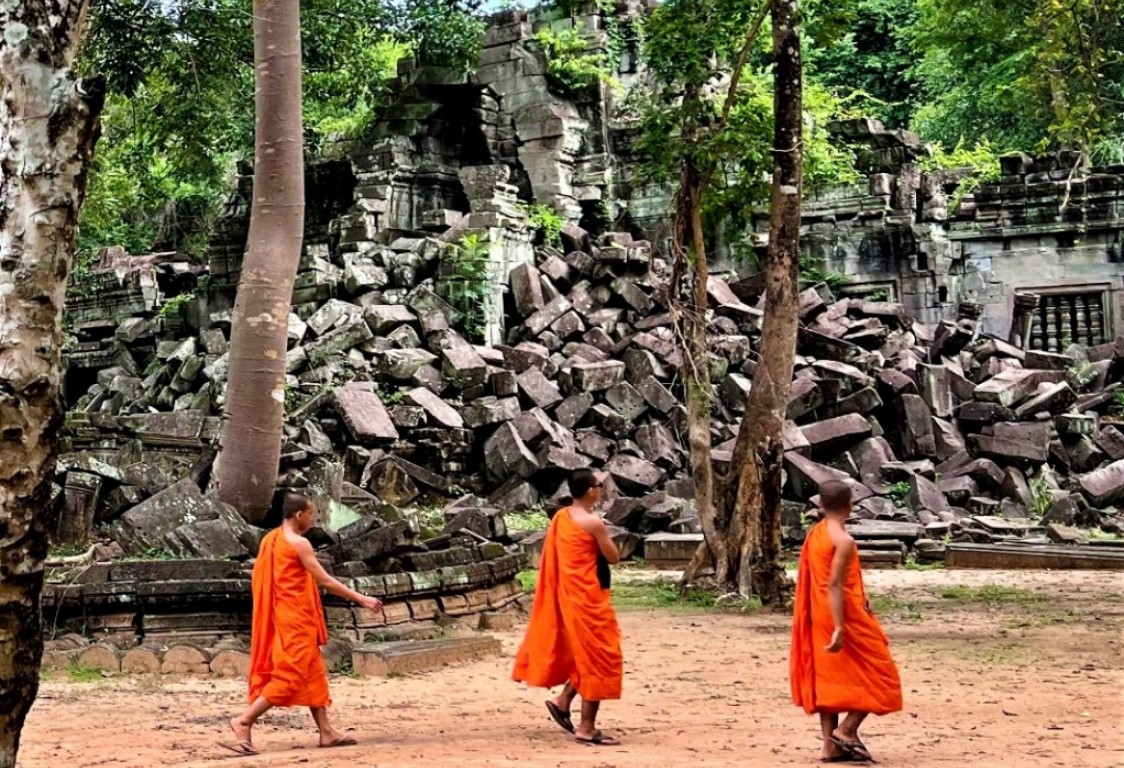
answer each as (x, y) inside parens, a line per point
(604, 541)
(844, 552)
(326, 580)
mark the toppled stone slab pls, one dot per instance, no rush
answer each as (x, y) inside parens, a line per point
(364, 415)
(401, 658)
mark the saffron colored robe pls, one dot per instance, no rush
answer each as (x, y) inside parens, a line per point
(862, 677)
(573, 634)
(288, 629)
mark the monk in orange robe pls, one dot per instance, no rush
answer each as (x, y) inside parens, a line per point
(840, 659)
(286, 668)
(573, 637)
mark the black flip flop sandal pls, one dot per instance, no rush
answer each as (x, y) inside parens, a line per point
(856, 750)
(564, 720)
(599, 740)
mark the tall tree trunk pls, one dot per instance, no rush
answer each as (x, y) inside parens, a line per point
(690, 246)
(246, 472)
(48, 128)
(755, 493)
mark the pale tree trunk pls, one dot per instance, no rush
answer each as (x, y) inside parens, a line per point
(690, 246)
(48, 128)
(758, 454)
(714, 515)
(246, 471)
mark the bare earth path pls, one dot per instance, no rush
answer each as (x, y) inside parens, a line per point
(1029, 677)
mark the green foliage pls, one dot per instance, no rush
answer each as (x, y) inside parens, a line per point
(899, 492)
(531, 520)
(1041, 497)
(862, 50)
(1118, 400)
(981, 163)
(688, 45)
(176, 305)
(467, 281)
(813, 273)
(568, 66)
(445, 34)
(342, 98)
(1031, 74)
(546, 221)
(528, 580)
(668, 597)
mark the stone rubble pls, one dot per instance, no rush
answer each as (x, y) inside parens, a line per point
(939, 430)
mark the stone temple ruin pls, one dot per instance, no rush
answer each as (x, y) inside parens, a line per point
(966, 380)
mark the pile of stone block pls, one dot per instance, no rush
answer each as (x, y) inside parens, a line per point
(945, 431)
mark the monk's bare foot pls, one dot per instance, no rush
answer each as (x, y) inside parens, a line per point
(242, 734)
(334, 738)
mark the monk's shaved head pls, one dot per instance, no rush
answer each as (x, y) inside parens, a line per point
(835, 497)
(293, 505)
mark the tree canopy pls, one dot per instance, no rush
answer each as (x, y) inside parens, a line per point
(978, 76)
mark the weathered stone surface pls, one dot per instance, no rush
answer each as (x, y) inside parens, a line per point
(490, 410)
(596, 377)
(626, 400)
(364, 415)
(633, 474)
(1052, 398)
(537, 388)
(573, 409)
(404, 364)
(541, 320)
(144, 526)
(1007, 388)
(833, 436)
(440, 412)
(1104, 487)
(924, 494)
(506, 455)
(384, 318)
(657, 395)
(526, 289)
(463, 367)
(917, 427)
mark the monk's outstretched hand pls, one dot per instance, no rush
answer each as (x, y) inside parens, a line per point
(370, 603)
(836, 644)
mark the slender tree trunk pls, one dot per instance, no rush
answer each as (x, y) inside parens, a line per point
(246, 472)
(696, 368)
(755, 492)
(48, 128)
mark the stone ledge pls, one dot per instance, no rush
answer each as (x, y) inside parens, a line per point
(421, 656)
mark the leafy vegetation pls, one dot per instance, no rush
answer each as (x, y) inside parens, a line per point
(547, 222)
(569, 66)
(531, 520)
(899, 492)
(467, 282)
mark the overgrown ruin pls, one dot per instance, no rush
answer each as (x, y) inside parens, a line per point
(970, 346)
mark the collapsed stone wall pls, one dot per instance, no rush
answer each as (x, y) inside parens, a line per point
(390, 400)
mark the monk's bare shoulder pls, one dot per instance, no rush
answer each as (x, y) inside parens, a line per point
(841, 539)
(300, 543)
(590, 523)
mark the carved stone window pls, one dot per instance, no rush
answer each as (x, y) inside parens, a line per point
(1069, 317)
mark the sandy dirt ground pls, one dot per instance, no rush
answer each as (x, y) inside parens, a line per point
(1029, 680)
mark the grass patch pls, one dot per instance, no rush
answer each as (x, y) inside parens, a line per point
(668, 597)
(891, 607)
(76, 673)
(528, 580)
(912, 564)
(992, 594)
(1044, 620)
(532, 520)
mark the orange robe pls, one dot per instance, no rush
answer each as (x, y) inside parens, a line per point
(573, 634)
(288, 629)
(860, 678)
